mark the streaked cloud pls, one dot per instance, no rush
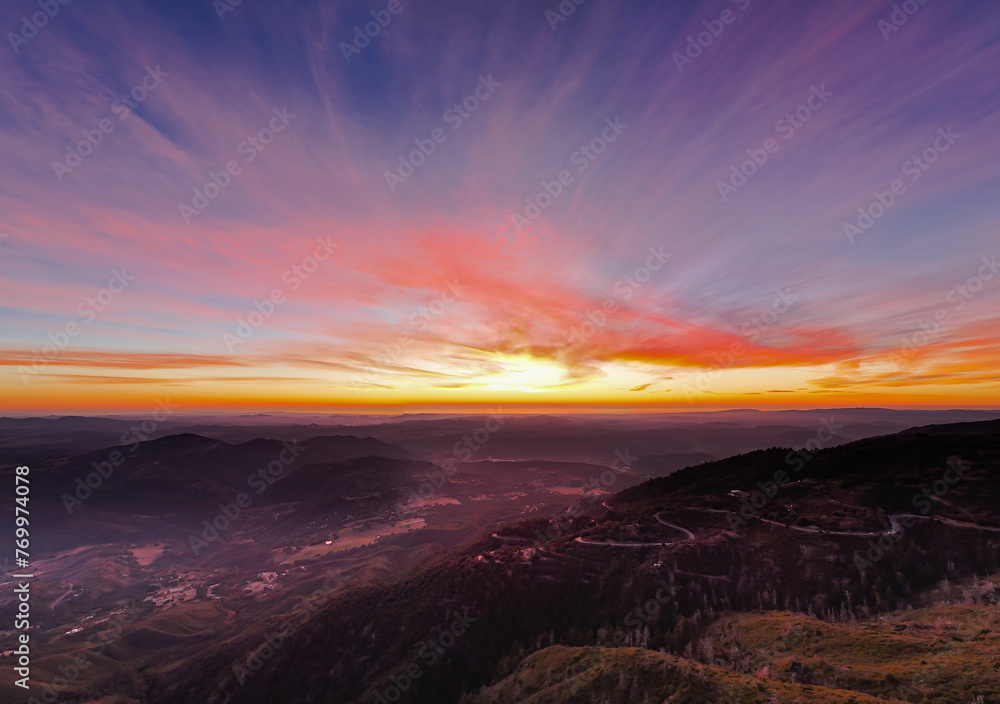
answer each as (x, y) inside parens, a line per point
(434, 295)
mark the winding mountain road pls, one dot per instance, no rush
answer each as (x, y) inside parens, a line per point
(621, 544)
(512, 538)
(690, 535)
(617, 543)
(893, 522)
(894, 529)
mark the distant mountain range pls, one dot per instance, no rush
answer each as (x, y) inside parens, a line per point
(622, 606)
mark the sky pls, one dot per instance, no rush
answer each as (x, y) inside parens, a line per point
(410, 205)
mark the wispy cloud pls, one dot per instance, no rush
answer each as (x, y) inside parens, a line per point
(523, 292)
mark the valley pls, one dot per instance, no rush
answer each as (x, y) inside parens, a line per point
(710, 581)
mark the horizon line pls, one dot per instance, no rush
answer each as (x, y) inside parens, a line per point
(521, 409)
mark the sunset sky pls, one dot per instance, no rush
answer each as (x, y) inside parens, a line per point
(335, 265)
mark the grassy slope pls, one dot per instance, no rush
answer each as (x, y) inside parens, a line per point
(941, 653)
(936, 654)
(564, 675)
